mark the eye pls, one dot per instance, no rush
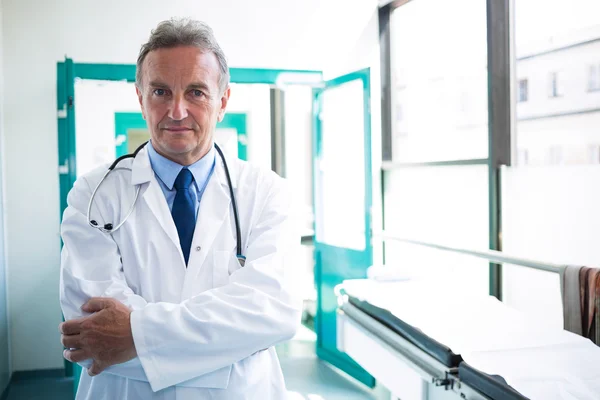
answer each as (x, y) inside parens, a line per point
(159, 92)
(197, 93)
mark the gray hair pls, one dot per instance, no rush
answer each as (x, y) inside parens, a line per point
(183, 32)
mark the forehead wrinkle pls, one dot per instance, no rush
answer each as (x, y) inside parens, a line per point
(184, 78)
(196, 67)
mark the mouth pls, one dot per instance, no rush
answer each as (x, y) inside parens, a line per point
(177, 129)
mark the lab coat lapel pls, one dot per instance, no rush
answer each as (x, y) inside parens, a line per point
(157, 203)
(141, 172)
(214, 206)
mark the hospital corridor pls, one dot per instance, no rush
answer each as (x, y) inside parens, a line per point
(300, 200)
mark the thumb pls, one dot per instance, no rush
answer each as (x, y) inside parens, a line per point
(96, 304)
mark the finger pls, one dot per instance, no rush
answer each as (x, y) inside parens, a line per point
(95, 369)
(71, 341)
(71, 327)
(96, 304)
(77, 355)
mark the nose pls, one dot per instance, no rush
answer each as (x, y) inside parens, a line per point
(178, 110)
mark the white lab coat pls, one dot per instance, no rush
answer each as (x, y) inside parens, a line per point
(202, 332)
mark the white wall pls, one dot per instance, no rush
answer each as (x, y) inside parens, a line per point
(4, 327)
(36, 35)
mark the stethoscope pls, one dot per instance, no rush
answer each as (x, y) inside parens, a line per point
(110, 229)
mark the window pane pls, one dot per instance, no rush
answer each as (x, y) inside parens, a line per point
(444, 205)
(439, 81)
(341, 168)
(556, 53)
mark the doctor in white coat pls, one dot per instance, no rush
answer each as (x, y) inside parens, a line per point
(161, 308)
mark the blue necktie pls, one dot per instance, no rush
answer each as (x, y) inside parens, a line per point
(184, 211)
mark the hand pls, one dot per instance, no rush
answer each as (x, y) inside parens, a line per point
(105, 336)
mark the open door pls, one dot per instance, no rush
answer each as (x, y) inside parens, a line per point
(342, 202)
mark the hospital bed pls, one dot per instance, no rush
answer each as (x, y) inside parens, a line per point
(426, 340)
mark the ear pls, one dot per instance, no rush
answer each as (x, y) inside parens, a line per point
(140, 99)
(224, 101)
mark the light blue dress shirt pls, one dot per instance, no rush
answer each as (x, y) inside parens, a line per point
(166, 172)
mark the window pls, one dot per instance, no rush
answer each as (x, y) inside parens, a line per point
(523, 90)
(555, 155)
(594, 78)
(594, 154)
(439, 120)
(439, 109)
(554, 85)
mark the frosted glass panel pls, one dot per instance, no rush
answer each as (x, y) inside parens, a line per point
(549, 214)
(445, 205)
(341, 167)
(439, 80)
(96, 103)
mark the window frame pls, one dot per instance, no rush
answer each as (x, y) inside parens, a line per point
(500, 114)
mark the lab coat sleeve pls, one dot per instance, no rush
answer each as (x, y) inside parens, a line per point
(255, 310)
(91, 267)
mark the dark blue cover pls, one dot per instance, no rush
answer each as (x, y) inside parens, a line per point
(492, 386)
(435, 349)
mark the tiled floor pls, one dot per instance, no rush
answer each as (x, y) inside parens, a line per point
(42, 389)
(307, 378)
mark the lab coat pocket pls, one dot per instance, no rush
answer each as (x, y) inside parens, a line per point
(225, 264)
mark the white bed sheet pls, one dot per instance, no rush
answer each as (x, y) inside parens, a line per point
(536, 360)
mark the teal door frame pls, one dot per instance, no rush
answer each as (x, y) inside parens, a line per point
(66, 73)
(134, 120)
(334, 264)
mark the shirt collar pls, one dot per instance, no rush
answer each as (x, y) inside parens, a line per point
(167, 170)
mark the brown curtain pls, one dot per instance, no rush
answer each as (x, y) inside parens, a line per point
(589, 280)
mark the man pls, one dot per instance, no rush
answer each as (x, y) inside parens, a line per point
(161, 308)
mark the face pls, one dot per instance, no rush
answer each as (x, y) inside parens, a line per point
(181, 101)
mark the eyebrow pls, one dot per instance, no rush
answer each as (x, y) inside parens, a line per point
(195, 85)
(159, 84)
(199, 85)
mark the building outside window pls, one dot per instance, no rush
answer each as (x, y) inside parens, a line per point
(523, 90)
(594, 78)
(554, 85)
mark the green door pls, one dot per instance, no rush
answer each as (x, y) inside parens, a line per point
(342, 202)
